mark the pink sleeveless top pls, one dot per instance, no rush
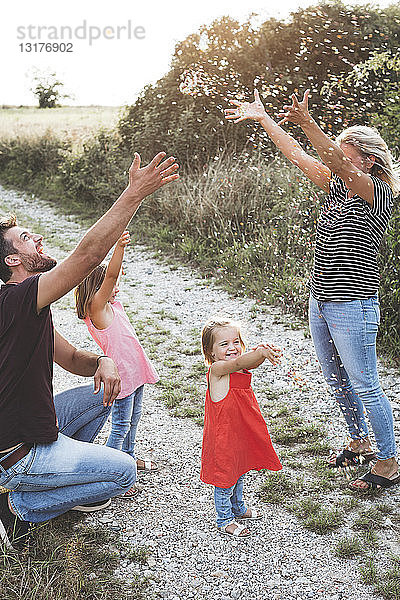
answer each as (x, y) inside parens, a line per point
(120, 343)
(235, 436)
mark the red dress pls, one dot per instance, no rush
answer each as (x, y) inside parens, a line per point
(235, 437)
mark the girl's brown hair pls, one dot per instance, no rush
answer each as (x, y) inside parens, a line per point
(86, 290)
(208, 331)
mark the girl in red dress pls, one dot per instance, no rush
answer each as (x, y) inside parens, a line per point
(235, 438)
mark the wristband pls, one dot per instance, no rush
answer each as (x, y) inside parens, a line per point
(98, 358)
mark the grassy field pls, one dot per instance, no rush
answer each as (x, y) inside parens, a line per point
(76, 123)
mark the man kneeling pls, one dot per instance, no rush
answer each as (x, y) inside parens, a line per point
(47, 467)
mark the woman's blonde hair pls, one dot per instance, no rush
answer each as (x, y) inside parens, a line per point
(369, 142)
(86, 290)
(208, 332)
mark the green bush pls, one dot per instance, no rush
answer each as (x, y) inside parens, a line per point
(389, 291)
(22, 159)
(93, 177)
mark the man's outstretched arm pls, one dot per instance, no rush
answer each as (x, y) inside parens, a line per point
(95, 244)
(85, 363)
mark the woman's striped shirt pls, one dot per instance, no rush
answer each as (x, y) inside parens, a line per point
(349, 233)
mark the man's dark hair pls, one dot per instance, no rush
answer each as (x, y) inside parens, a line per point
(6, 247)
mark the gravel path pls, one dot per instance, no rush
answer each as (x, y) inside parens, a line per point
(173, 514)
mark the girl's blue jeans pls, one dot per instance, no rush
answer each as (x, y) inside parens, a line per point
(53, 478)
(126, 414)
(229, 503)
(344, 336)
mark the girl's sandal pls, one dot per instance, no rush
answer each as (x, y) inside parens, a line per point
(131, 493)
(148, 465)
(237, 532)
(254, 515)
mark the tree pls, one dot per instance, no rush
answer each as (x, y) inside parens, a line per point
(377, 80)
(184, 110)
(46, 88)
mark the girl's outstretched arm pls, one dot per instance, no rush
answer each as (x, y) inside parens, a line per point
(248, 360)
(356, 179)
(316, 171)
(102, 296)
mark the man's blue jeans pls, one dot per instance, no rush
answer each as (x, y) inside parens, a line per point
(53, 478)
(229, 503)
(344, 336)
(126, 414)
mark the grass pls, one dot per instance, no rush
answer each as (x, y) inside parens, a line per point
(317, 448)
(163, 314)
(349, 547)
(316, 517)
(75, 123)
(322, 477)
(172, 362)
(370, 539)
(270, 397)
(194, 350)
(369, 520)
(197, 370)
(386, 582)
(70, 560)
(182, 387)
(323, 503)
(278, 487)
(291, 429)
(185, 399)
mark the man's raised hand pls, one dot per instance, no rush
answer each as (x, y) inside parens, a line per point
(143, 181)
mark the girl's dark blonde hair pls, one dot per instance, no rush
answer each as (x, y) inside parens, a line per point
(208, 335)
(86, 290)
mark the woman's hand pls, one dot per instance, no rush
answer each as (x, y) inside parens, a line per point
(246, 110)
(124, 240)
(297, 112)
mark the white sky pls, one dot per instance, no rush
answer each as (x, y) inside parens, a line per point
(112, 72)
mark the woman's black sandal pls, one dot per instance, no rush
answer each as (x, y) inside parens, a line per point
(348, 458)
(375, 482)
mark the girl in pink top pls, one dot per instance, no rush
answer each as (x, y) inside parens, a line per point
(110, 328)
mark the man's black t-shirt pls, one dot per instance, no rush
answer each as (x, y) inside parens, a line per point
(26, 367)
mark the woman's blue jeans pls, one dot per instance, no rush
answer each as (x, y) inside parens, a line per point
(125, 416)
(344, 336)
(229, 503)
(53, 478)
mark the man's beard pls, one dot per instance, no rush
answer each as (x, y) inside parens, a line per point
(37, 264)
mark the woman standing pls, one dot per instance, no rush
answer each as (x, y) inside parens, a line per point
(357, 174)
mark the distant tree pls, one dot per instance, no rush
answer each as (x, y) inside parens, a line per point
(47, 89)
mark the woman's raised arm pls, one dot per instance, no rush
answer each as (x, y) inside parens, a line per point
(355, 175)
(316, 171)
